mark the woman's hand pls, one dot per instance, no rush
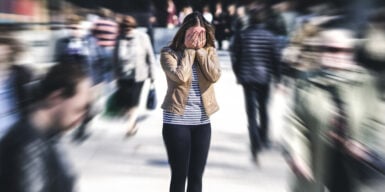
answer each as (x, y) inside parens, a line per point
(201, 40)
(195, 38)
(191, 39)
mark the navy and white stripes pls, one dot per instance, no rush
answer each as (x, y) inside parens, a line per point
(106, 31)
(194, 112)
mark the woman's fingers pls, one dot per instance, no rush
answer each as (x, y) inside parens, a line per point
(189, 39)
(190, 35)
(195, 39)
(195, 36)
(202, 39)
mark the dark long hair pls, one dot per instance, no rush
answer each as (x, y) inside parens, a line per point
(191, 20)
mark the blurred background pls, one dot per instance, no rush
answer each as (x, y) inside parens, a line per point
(321, 44)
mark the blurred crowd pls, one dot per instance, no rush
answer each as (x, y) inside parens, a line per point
(327, 58)
(333, 75)
(108, 58)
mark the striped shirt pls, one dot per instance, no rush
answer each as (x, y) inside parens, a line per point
(106, 31)
(194, 113)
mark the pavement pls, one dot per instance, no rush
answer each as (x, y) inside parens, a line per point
(109, 161)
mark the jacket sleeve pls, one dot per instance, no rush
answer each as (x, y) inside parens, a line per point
(31, 172)
(150, 57)
(235, 52)
(60, 48)
(22, 79)
(276, 59)
(209, 64)
(178, 70)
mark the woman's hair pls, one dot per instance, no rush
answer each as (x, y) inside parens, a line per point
(64, 76)
(128, 22)
(105, 13)
(191, 20)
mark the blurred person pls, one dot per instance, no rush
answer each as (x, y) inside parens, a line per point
(135, 63)
(366, 144)
(106, 31)
(221, 23)
(255, 60)
(329, 107)
(191, 67)
(277, 24)
(30, 154)
(14, 78)
(150, 30)
(207, 14)
(74, 43)
(331, 142)
(172, 18)
(152, 22)
(239, 23)
(231, 17)
(287, 10)
(286, 16)
(183, 13)
(79, 44)
(241, 20)
(303, 58)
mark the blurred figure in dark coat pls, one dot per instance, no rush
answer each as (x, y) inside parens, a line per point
(13, 82)
(30, 155)
(255, 60)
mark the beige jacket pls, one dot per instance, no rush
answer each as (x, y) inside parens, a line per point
(177, 66)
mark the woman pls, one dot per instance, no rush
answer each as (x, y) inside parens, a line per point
(191, 66)
(135, 64)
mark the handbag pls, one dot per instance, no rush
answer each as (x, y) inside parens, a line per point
(151, 97)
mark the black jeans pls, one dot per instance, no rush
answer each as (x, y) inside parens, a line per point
(256, 98)
(187, 149)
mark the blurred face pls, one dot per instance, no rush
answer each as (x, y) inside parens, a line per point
(71, 111)
(231, 9)
(241, 11)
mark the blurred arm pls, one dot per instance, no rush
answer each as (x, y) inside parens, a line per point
(150, 57)
(276, 60)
